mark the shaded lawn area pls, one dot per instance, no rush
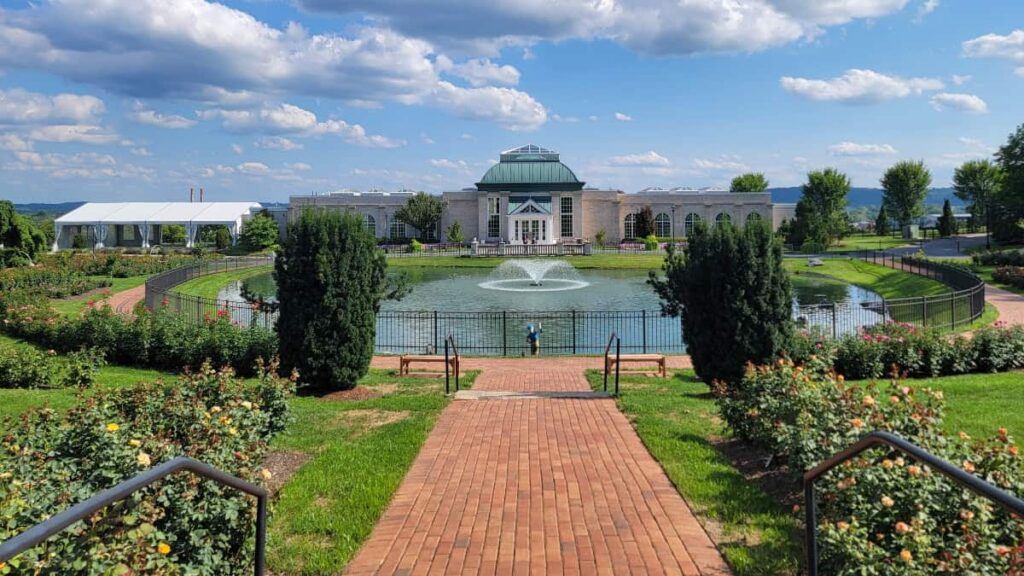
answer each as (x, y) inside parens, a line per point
(75, 304)
(985, 272)
(209, 286)
(868, 242)
(677, 419)
(597, 261)
(886, 282)
(360, 451)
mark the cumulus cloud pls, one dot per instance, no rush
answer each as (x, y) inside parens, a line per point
(142, 115)
(459, 165)
(277, 143)
(854, 149)
(82, 165)
(968, 103)
(299, 166)
(1005, 47)
(649, 158)
(140, 151)
(623, 117)
(208, 52)
(723, 164)
(926, 8)
(860, 87)
(479, 71)
(80, 133)
(19, 106)
(505, 107)
(290, 119)
(960, 80)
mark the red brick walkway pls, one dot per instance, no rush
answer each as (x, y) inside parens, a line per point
(541, 486)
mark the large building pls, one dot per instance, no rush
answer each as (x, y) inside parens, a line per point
(531, 197)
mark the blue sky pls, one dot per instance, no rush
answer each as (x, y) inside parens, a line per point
(261, 99)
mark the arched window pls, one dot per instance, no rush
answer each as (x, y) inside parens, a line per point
(753, 217)
(723, 218)
(371, 224)
(662, 225)
(690, 223)
(397, 231)
(630, 226)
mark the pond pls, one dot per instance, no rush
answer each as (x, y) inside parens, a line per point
(487, 309)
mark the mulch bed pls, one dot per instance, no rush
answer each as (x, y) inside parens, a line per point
(756, 467)
(357, 393)
(282, 466)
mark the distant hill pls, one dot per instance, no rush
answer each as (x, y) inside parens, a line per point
(864, 196)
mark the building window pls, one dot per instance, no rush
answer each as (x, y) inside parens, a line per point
(397, 231)
(662, 225)
(630, 226)
(566, 217)
(494, 217)
(690, 223)
(723, 218)
(371, 225)
(753, 217)
(128, 232)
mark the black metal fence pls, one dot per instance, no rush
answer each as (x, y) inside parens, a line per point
(568, 332)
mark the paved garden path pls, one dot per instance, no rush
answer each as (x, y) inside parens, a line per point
(540, 486)
(124, 302)
(1009, 304)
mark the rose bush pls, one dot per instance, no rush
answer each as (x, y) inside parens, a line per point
(30, 368)
(180, 525)
(881, 514)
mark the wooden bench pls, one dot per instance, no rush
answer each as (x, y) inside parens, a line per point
(659, 359)
(406, 359)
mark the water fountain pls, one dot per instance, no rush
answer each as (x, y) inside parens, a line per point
(534, 275)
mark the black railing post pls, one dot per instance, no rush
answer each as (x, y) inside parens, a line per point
(435, 331)
(811, 527)
(574, 332)
(924, 311)
(618, 362)
(834, 327)
(446, 370)
(644, 315)
(504, 333)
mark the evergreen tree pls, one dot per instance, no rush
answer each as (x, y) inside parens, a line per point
(454, 233)
(422, 211)
(904, 188)
(821, 212)
(749, 182)
(733, 295)
(882, 222)
(330, 281)
(644, 225)
(260, 232)
(947, 222)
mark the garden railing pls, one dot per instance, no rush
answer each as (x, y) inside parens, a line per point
(451, 351)
(58, 522)
(613, 339)
(1008, 501)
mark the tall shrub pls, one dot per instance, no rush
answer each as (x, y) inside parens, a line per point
(733, 295)
(821, 212)
(260, 232)
(644, 223)
(330, 281)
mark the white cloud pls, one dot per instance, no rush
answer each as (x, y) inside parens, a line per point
(1009, 47)
(82, 165)
(81, 133)
(860, 87)
(725, 163)
(257, 168)
(458, 165)
(14, 143)
(290, 119)
(961, 80)
(140, 151)
(592, 118)
(976, 144)
(623, 117)
(926, 8)
(854, 149)
(208, 52)
(963, 102)
(425, 138)
(479, 71)
(298, 166)
(237, 149)
(649, 158)
(564, 119)
(277, 143)
(142, 115)
(19, 106)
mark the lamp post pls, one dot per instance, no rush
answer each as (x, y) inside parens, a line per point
(672, 228)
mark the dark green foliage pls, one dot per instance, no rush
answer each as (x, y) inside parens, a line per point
(644, 225)
(733, 295)
(260, 232)
(173, 234)
(749, 182)
(977, 182)
(904, 188)
(79, 242)
(947, 222)
(330, 282)
(882, 222)
(821, 212)
(20, 236)
(1008, 208)
(423, 212)
(454, 233)
(222, 238)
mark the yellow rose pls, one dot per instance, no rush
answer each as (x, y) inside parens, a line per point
(233, 431)
(887, 502)
(163, 548)
(143, 459)
(247, 405)
(266, 474)
(134, 443)
(113, 427)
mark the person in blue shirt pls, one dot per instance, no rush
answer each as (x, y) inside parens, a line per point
(533, 337)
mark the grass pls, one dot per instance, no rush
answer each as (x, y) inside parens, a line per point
(75, 304)
(985, 273)
(868, 242)
(678, 422)
(209, 286)
(886, 282)
(360, 452)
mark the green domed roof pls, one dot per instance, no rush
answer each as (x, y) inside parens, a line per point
(529, 168)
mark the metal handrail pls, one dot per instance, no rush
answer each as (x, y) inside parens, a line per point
(607, 354)
(1008, 501)
(58, 522)
(449, 342)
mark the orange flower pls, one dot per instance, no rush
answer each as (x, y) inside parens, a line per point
(163, 548)
(857, 423)
(966, 515)
(868, 401)
(1012, 450)
(840, 378)
(968, 466)
(902, 528)
(914, 470)
(842, 525)
(906, 556)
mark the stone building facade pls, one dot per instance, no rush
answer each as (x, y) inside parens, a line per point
(531, 197)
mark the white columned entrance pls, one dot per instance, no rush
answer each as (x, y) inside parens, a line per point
(531, 223)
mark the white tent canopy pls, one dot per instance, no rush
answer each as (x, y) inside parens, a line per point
(192, 215)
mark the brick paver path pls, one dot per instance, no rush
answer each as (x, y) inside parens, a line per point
(540, 486)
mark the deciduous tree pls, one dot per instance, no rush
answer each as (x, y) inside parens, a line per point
(821, 212)
(749, 182)
(422, 211)
(260, 232)
(454, 233)
(904, 188)
(977, 182)
(1008, 208)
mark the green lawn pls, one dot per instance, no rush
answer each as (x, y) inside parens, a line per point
(886, 282)
(360, 452)
(868, 242)
(209, 286)
(985, 272)
(75, 304)
(678, 422)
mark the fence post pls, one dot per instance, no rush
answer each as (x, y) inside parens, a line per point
(574, 332)
(435, 332)
(644, 313)
(924, 311)
(834, 327)
(504, 333)
(952, 310)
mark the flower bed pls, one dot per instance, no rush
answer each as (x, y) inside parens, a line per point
(911, 351)
(181, 525)
(881, 514)
(1012, 275)
(30, 368)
